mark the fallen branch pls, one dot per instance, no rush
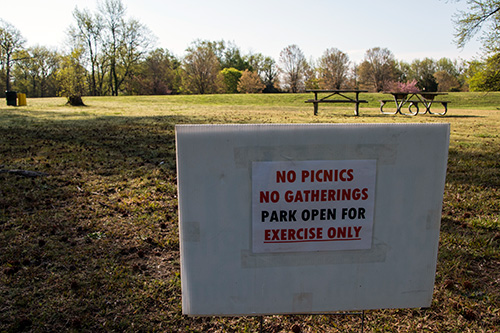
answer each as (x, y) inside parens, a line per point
(25, 173)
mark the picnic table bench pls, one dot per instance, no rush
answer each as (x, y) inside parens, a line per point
(341, 97)
(413, 99)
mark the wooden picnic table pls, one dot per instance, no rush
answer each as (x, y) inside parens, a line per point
(413, 99)
(340, 96)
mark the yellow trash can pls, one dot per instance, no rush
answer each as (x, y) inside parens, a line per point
(21, 99)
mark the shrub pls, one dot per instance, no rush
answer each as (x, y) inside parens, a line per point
(250, 82)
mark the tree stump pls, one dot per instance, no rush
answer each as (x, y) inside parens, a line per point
(75, 101)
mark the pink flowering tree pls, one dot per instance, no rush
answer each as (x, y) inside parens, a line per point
(404, 87)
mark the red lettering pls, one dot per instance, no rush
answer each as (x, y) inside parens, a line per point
(298, 197)
(280, 176)
(276, 235)
(346, 194)
(265, 196)
(318, 176)
(305, 175)
(344, 233)
(331, 195)
(311, 234)
(323, 195)
(306, 192)
(283, 234)
(315, 195)
(327, 175)
(286, 176)
(300, 233)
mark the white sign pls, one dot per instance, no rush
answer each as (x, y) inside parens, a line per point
(309, 218)
(312, 205)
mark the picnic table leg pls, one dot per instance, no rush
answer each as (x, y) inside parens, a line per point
(428, 107)
(315, 108)
(356, 110)
(445, 105)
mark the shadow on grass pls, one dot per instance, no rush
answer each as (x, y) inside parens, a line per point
(479, 168)
(93, 246)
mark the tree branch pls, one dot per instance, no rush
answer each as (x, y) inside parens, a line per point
(25, 173)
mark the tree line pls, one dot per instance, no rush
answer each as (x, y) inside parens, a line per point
(110, 54)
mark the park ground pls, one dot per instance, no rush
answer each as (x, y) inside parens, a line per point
(89, 234)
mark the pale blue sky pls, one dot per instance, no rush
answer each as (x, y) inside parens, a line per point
(410, 29)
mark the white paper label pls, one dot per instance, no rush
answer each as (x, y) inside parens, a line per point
(302, 206)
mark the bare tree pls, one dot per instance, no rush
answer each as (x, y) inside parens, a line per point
(202, 69)
(11, 41)
(378, 68)
(266, 68)
(157, 75)
(333, 68)
(293, 65)
(88, 33)
(113, 44)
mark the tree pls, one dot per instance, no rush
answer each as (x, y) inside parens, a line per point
(474, 74)
(11, 41)
(87, 33)
(403, 71)
(293, 65)
(448, 75)
(311, 78)
(113, 46)
(35, 73)
(201, 67)
(378, 69)
(446, 81)
(267, 69)
(114, 12)
(250, 83)
(158, 74)
(481, 14)
(423, 71)
(468, 24)
(126, 43)
(485, 76)
(333, 69)
(231, 77)
(232, 58)
(71, 77)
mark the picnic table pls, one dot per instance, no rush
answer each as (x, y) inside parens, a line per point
(413, 99)
(336, 96)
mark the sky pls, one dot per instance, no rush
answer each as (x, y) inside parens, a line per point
(410, 29)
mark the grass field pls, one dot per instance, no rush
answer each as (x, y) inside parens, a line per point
(92, 243)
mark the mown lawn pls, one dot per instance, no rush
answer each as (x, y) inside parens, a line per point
(91, 244)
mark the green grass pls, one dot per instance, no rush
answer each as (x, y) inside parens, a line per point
(94, 245)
